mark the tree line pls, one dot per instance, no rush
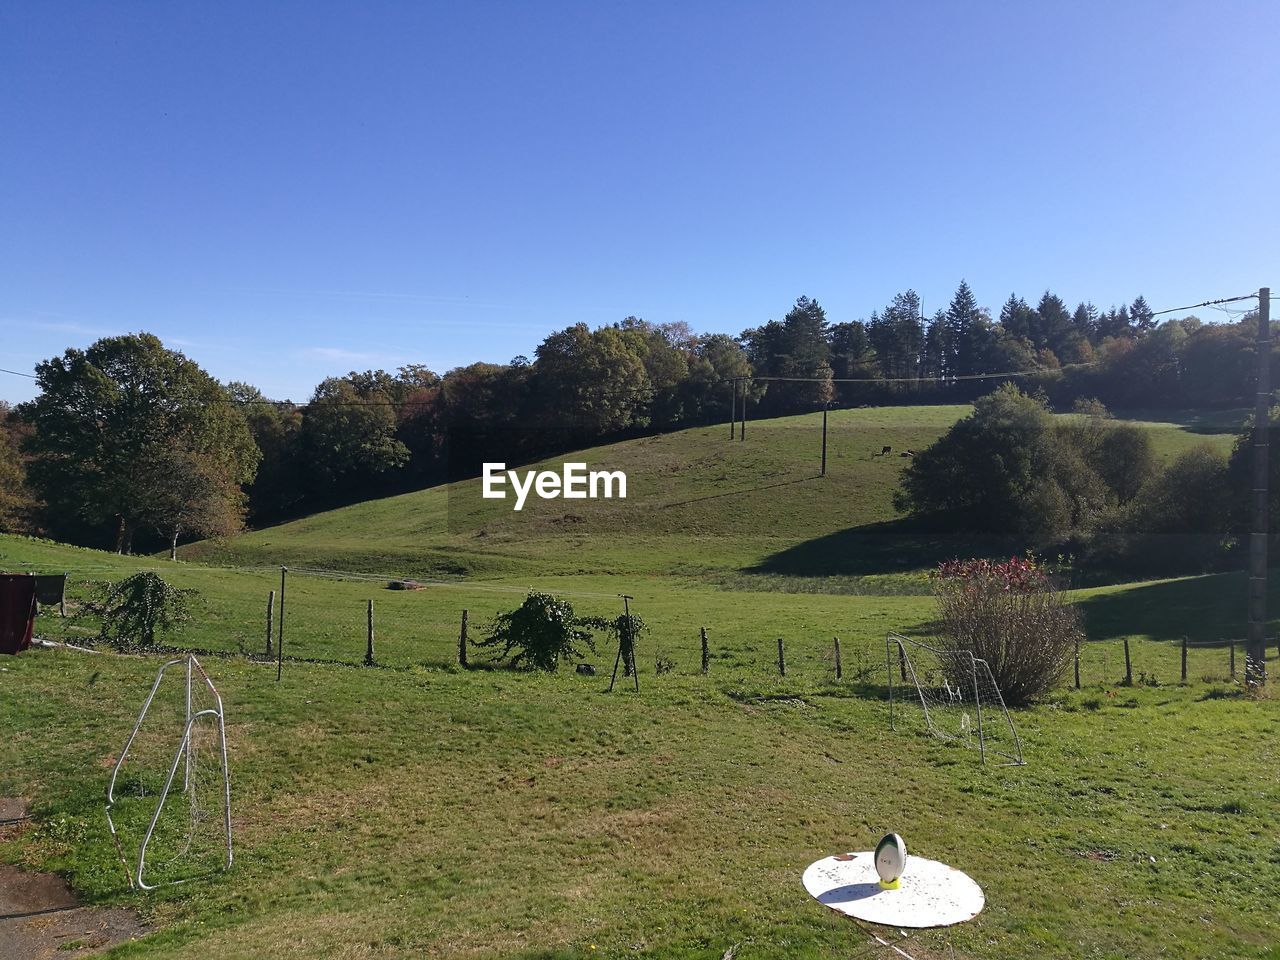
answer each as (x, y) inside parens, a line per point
(128, 438)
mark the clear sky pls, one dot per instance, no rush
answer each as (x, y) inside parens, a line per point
(286, 191)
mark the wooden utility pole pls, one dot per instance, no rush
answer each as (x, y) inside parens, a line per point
(368, 650)
(1255, 656)
(733, 409)
(824, 439)
(462, 642)
(742, 433)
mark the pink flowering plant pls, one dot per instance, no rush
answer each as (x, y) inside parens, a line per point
(1009, 613)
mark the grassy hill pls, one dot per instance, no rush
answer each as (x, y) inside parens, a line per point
(698, 505)
(416, 809)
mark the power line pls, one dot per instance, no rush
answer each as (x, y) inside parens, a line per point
(1207, 303)
(873, 381)
(15, 373)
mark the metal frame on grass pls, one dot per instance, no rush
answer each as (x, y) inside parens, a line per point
(183, 753)
(961, 659)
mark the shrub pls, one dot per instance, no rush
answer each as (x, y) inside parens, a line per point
(539, 633)
(134, 611)
(1008, 614)
(624, 632)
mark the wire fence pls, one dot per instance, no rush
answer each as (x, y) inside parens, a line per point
(363, 619)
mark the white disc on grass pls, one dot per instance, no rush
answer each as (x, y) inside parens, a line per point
(930, 894)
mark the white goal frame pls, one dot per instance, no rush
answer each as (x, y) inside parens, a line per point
(193, 672)
(971, 668)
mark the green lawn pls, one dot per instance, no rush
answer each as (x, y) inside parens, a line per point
(415, 809)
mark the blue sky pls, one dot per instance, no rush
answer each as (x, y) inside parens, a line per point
(287, 191)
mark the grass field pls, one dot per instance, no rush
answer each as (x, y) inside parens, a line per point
(415, 809)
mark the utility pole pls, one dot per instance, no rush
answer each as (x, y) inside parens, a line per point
(1255, 660)
(733, 410)
(825, 406)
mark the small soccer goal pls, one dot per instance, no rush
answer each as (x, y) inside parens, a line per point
(958, 698)
(169, 796)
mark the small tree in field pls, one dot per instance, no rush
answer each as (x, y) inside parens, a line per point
(137, 609)
(538, 633)
(1008, 614)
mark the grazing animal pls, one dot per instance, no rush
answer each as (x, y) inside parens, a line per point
(907, 453)
(883, 453)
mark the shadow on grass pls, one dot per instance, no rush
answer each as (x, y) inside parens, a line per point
(892, 546)
(1208, 609)
(1208, 422)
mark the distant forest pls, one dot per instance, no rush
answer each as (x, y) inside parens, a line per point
(376, 433)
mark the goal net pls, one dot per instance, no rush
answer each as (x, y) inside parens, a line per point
(169, 796)
(950, 694)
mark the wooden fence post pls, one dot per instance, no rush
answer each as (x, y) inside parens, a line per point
(280, 628)
(1232, 641)
(368, 652)
(839, 666)
(462, 642)
(782, 659)
(1184, 659)
(1077, 643)
(271, 602)
(706, 653)
(1128, 665)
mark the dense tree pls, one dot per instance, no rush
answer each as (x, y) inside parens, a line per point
(591, 383)
(897, 336)
(278, 487)
(966, 334)
(19, 508)
(347, 436)
(1008, 468)
(192, 493)
(106, 416)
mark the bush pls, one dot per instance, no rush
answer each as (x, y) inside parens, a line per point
(1010, 615)
(134, 611)
(539, 633)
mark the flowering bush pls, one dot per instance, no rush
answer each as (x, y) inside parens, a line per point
(1009, 614)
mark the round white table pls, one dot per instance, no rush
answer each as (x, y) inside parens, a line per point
(929, 894)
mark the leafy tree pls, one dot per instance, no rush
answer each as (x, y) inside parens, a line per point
(539, 633)
(1002, 470)
(348, 436)
(192, 494)
(19, 508)
(106, 415)
(665, 352)
(591, 384)
(1178, 521)
(278, 486)
(717, 359)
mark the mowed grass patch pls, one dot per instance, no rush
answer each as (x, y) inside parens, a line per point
(429, 813)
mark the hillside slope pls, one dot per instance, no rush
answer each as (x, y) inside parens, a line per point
(697, 503)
